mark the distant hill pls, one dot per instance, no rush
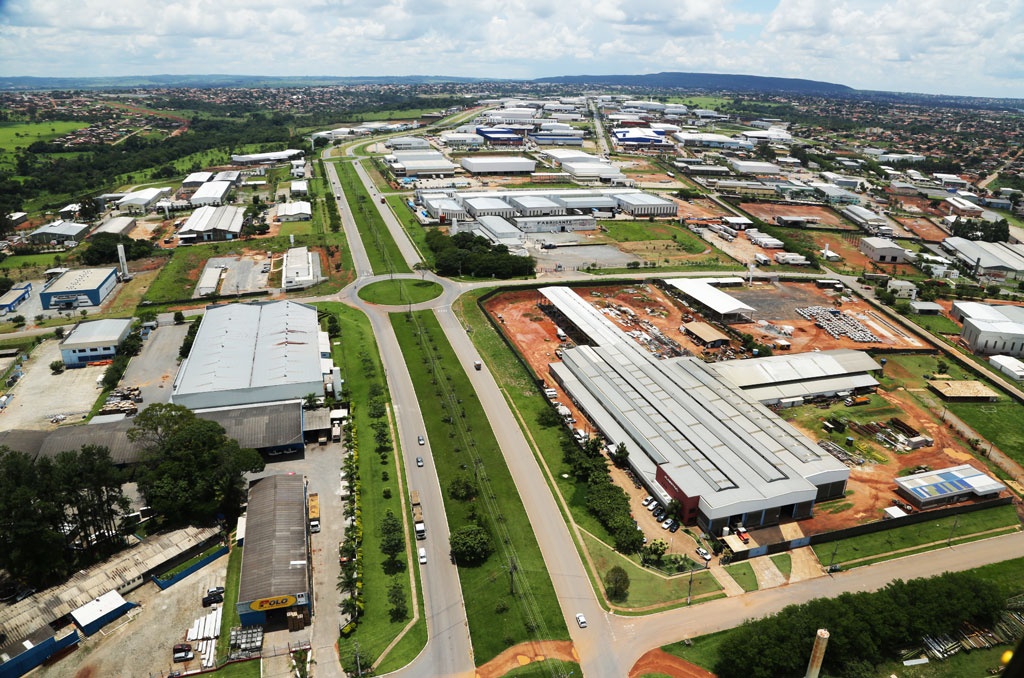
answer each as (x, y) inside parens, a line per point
(713, 81)
(214, 80)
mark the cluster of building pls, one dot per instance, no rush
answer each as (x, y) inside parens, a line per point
(990, 329)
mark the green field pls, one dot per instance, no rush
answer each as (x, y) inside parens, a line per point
(356, 352)
(417, 233)
(401, 291)
(743, 574)
(246, 669)
(784, 562)
(381, 249)
(909, 536)
(632, 231)
(936, 324)
(229, 619)
(24, 134)
(410, 114)
(646, 588)
(537, 616)
(1000, 423)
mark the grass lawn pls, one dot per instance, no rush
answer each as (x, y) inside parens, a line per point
(632, 231)
(961, 665)
(999, 423)
(784, 562)
(394, 292)
(24, 134)
(703, 650)
(296, 227)
(909, 536)
(417, 233)
(380, 247)
(229, 618)
(247, 669)
(31, 261)
(645, 587)
(743, 574)
(545, 669)
(356, 352)
(483, 586)
(937, 324)
(375, 176)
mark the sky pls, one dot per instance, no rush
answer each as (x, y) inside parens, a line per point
(932, 46)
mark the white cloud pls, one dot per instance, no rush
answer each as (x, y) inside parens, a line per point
(916, 45)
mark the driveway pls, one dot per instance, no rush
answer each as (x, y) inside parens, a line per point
(154, 368)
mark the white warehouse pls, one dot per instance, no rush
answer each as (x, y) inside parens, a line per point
(646, 205)
(498, 164)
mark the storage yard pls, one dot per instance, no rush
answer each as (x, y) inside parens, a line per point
(777, 305)
(923, 228)
(701, 208)
(767, 212)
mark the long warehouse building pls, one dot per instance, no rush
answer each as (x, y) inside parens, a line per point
(692, 436)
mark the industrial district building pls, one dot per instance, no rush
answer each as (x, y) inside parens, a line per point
(142, 200)
(407, 143)
(883, 250)
(275, 574)
(256, 352)
(789, 380)
(211, 193)
(59, 232)
(196, 179)
(265, 158)
(705, 292)
(94, 340)
(993, 259)
(299, 210)
(423, 163)
(213, 223)
(1008, 365)
(301, 269)
(991, 328)
(692, 436)
(863, 217)
(498, 164)
(14, 297)
(947, 486)
(116, 226)
(76, 288)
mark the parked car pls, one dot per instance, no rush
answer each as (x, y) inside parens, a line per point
(215, 591)
(210, 600)
(419, 461)
(647, 500)
(667, 524)
(675, 527)
(182, 647)
(653, 505)
(703, 553)
(741, 532)
(581, 620)
(184, 656)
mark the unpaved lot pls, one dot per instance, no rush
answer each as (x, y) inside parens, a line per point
(768, 211)
(923, 228)
(143, 646)
(40, 394)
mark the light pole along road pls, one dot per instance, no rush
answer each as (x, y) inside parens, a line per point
(611, 644)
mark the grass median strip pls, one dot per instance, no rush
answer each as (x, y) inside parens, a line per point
(381, 249)
(466, 453)
(417, 233)
(229, 619)
(355, 349)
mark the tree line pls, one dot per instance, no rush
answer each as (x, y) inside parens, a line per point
(866, 629)
(468, 254)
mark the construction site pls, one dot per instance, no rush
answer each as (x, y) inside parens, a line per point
(822, 217)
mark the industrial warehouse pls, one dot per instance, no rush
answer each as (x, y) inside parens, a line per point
(76, 288)
(258, 352)
(708, 444)
(276, 576)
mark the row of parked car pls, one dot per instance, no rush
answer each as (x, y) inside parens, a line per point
(659, 512)
(182, 652)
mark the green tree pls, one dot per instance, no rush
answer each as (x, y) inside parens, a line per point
(620, 455)
(654, 551)
(310, 401)
(616, 583)
(57, 366)
(179, 317)
(31, 543)
(396, 596)
(470, 544)
(461, 487)
(392, 541)
(189, 469)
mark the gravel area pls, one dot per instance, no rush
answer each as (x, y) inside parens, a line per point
(40, 394)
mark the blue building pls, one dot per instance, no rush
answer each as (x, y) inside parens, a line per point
(92, 341)
(32, 651)
(14, 297)
(84, 287)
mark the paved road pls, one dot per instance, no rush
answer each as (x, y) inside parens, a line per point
(602, 141)
(154, 369)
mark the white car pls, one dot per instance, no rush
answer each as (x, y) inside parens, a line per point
(423, 556)
(581, 620)
(653, 505)
(703, 553)
(647, 500)
(667, 524)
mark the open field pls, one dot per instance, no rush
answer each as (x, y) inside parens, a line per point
(381, 249)
(701, 208)
(23, 134)
(401, 291)
(662, 242)
(355, 350)
(909, 536)
(777, 304)
(766, 211)
(923, 228)
(490, 631)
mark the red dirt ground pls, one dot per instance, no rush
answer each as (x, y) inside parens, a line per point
(659, 661)
(923, 228)
(702, 208)
(923, 204)
(525, 653)
(767, 212)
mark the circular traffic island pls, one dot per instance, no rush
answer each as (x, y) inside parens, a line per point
(400, 292)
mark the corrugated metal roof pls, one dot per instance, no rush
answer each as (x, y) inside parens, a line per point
(275, 559)
(712, 297)
(108, 330)
(797, 367)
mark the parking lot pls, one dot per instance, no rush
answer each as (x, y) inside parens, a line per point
(143, 646)
(153, 370)
(40, 394)
(577, 257)
(241, 273)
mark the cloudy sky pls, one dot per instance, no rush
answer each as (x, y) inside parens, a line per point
(938, 46)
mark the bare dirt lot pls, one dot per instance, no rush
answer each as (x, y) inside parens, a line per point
(701, 208)
(923, 229)
(768, 211)
(918, 203)
(40, 394)
(776, 303)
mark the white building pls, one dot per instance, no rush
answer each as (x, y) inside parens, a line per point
(991, 328)
(300, 269)
(754, 167)
(211, 193)
(883, 250)
(299, 210)
(143, 199)
(902, 289)
(299, 188)
(1009, 366)
(535, 205)
(265, 158)
(407, 143)
(864, 217)
(213, 223)
(457, 139)
(479, 207)
(646, 205)
(196, 179)
(498, 164)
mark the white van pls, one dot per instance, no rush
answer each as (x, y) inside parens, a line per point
(423, 556)
(762, 259)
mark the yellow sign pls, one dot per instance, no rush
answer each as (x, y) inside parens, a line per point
(265, 604)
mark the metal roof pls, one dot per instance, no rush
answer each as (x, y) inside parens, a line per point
(108, 331)
(117, 226)
(95, 609)
(80, 280)
(198, 178)
(260, 426)
(266, 157)
(987, 254)
(212, 190)
(289, 209)
(797, 367)
(640, 199)
(252, 345)
(275, 559)
(712, 297)
(60, 227)
(952, 480)
(487, 204)
(209, 218)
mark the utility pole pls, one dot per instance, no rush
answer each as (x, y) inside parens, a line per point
(689, 589)
(834, 552)
(512, 567)
(949, 539)
(359, 668)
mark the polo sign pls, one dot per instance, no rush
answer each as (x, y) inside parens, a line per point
(264, 604)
